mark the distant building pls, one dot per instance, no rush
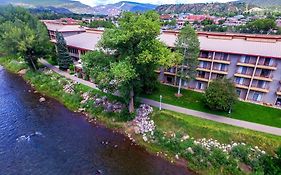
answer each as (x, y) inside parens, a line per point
(199, 18)
(65, 29)
(278, 22)
(89, 20)
(166, 17)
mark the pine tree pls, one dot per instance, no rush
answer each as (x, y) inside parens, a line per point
(64, 59)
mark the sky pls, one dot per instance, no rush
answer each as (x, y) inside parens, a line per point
(99, 2)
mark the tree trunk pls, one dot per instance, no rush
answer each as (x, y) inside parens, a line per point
(131, 103)
(33, 64)
(161, 75)
(179, 88)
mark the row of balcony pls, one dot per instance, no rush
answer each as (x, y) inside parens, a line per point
(256, 76)
(216, 60)
(259, 65)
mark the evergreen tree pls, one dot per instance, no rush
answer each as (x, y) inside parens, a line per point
(64, 59)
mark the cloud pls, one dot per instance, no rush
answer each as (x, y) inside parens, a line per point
(100, 2)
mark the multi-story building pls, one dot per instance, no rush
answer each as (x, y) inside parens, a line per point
(65, 29)
(253, 62)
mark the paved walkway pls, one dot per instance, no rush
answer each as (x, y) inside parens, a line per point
(203, 115)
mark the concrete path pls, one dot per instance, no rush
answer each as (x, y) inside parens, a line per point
(203, 115)
(67, 75)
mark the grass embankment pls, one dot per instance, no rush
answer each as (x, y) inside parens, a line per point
(170, 128)
(241, 110)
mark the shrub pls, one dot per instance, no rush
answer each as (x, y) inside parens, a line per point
(220, 95)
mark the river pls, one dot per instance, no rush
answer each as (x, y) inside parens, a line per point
(46, 138)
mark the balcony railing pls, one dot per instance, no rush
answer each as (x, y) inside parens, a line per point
(272, 66)
(220, 71)
(206, 56)
(259, 88)
(279, 91)
(264, 77)
(249, 64)
(242, 85)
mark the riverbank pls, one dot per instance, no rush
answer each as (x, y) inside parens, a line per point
(176, 136)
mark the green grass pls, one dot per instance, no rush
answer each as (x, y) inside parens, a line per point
(241, 110)
(166, 121)
(12, 65)
(169, 121)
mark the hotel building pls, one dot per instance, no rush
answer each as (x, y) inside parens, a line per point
(253, 62)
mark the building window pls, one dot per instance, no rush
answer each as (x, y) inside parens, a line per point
(169, 80)
(239, 80)
(278, 102)
(200, 86)
(238, 92)
(257, 96)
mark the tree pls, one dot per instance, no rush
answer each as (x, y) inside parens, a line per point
(188, 45)
(134, 53)
(105, 24)
(220, 95)
(207, 22)
(23, 35)
(259, 26)
(64, 59)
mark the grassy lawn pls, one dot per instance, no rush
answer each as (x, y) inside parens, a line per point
(242, 110)
(173, 122)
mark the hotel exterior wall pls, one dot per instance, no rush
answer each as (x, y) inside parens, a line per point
(254, 87)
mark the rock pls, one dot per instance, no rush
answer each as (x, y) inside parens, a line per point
(98, 101)
(109, 108)
(22, 72)
(137, 130)
(104, 98)
(190, 150)
(177, 156)
(144, 138)
(42, 99)
(185, 137)
(81, 109)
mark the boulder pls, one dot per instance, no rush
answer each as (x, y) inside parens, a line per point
(109, 107)
(22, 72)
(42, 99)
(98, 101)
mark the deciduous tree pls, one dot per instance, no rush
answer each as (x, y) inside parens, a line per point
(135, 53)
(23, 35)
(188, 45)
(220, 95)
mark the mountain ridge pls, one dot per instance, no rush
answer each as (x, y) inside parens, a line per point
(263, 3)
(204, 8)
(78, 7)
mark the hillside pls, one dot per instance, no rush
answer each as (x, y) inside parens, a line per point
(77, 7)
(203, 8)
(73, 6)
(114, 9)
(263, 3)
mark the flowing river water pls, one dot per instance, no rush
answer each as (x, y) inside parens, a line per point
(46, 138)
